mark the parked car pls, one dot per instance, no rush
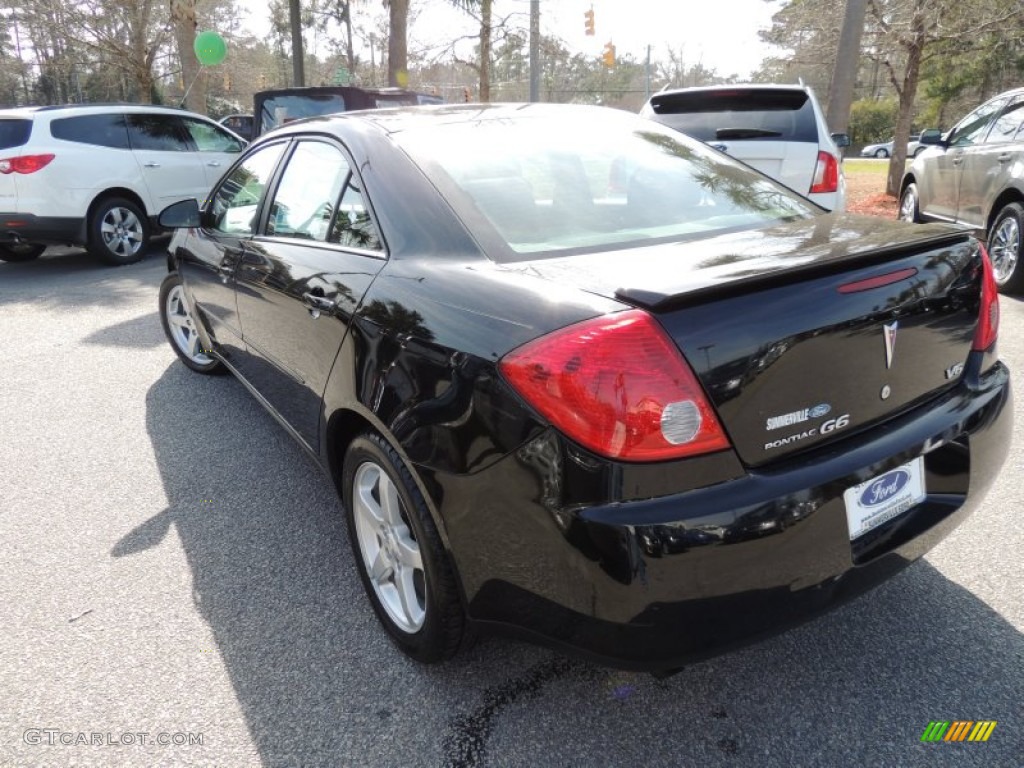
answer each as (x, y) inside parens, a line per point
(975, 177)
(778, 129)
(98, 175)
(914, 148)
(239, 124)
(507, 358)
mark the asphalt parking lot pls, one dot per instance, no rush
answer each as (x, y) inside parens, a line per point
(175, 569)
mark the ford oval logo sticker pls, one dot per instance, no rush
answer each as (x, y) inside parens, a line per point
(820, 410)
(885, 488)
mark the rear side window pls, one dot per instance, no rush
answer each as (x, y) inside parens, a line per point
(164, 133)
(738, 114)
(107, 130)
(14, 133)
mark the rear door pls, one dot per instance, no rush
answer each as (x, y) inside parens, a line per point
(987, 165)
(299, 282)
(163, 150)
(773, 130)
(940, 187)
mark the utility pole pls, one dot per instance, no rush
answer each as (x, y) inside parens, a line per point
(844, 75)
(298, 65)
(647, 75)
(534, 50)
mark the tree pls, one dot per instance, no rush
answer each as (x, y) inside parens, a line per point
(913, 30)
(183, 21)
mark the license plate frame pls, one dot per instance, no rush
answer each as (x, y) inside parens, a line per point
(884, 497)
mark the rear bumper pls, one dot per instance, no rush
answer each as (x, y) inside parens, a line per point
(654, 584)
(51, 230)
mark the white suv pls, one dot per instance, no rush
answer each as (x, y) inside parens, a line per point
(98, 176)
(778, 129)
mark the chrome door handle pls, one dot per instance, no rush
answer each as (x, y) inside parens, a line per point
(1005, 157)
(958, 160)
(213, 164)
(317, 304)
(151, 164)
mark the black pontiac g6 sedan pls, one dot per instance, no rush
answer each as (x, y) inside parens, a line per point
(582, 379)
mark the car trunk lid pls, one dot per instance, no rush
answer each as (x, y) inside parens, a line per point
(807, 331)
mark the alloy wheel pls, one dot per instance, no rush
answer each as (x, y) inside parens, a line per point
(182, 327)
(1004, 248)
(908, 205)
(122, 232)
(390, 552)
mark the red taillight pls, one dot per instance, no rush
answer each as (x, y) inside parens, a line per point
(25, 163)
(617, 385)
(988, 313)
(826, 173)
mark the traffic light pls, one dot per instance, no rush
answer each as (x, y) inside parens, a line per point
(588, 23)
(608, 57)
(465, 93)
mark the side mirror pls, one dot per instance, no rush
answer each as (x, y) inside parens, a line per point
(181, 215)
(931, 137)
(841, 140)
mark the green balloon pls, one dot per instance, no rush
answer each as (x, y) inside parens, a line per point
(210, 48)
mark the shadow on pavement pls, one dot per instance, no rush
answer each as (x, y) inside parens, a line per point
(139, 332)
(320, 685)
(70, 278)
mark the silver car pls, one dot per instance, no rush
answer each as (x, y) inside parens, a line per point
(974, 175)
(884, 149)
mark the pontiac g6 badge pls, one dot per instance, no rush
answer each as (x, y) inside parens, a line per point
(889, 330)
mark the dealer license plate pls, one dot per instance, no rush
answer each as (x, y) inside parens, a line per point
(882, 498)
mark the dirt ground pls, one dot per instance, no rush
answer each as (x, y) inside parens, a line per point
(865, 193)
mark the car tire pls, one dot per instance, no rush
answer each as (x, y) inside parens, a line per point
(16, 252)
(1005, 241)
(880, 153)
(180, 328)
(909, 209)
(399, 554)
(118, 231)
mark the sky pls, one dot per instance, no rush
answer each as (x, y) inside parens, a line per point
(719, 35)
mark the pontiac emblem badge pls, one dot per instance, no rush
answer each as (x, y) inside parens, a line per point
(889, 329)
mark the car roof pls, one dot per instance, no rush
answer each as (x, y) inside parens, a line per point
(97, 108)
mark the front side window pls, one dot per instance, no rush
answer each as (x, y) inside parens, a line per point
(163, 133)
(211, 138)
(107, 130)
(1008, 123)
(973, 128)
(235, 204)
(582, 184)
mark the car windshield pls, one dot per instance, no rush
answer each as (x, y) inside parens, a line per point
(547, 186)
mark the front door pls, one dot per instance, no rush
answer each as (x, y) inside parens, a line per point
(301, 279)
(940, 192)
(162, 149)
(214, 254)
(987, 166)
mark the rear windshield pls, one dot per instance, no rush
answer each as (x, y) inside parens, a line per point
(738, 114)
(278, 110)
(14, 132)
(549, 185)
